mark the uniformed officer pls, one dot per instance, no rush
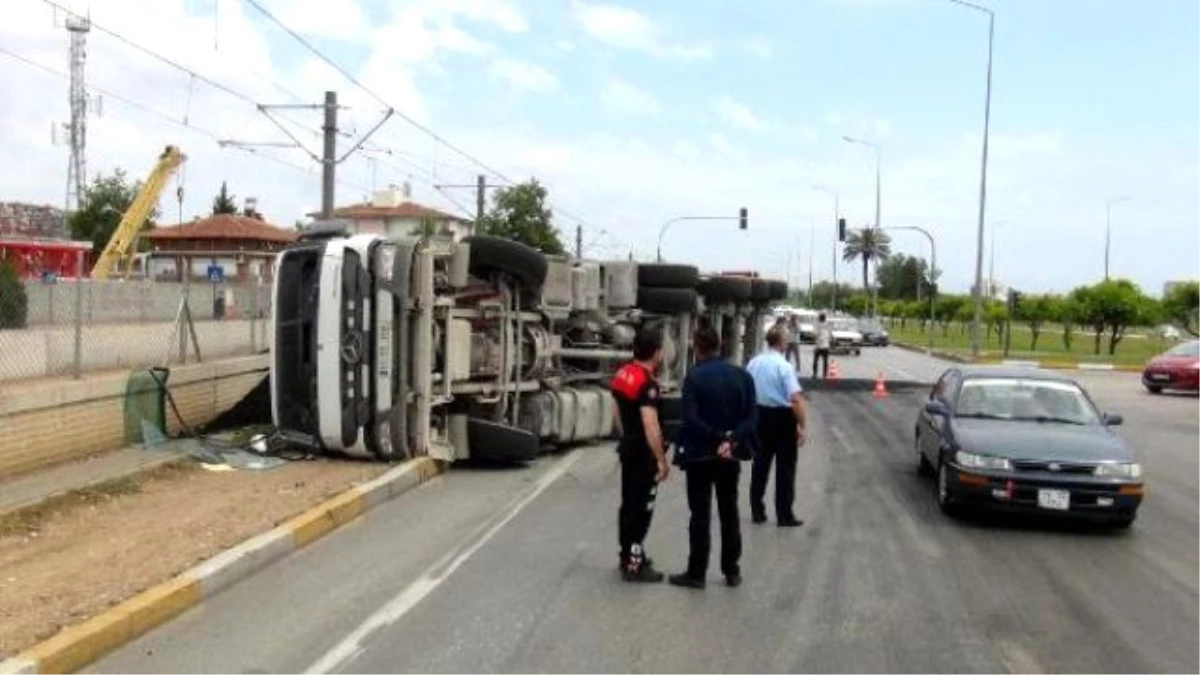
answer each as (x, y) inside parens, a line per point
(782, 428)
(643, 459)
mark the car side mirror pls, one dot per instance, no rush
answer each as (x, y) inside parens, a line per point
(936, 407)
(1112, 419)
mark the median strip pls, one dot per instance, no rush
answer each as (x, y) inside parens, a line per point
(79, 645)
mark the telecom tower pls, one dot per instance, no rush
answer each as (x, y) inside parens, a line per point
(78, 26)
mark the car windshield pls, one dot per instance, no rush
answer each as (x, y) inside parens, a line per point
(1186, 349)
(842, 324)
(1025, 400)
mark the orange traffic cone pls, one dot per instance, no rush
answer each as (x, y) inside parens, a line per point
(835, 373)
(880, 390)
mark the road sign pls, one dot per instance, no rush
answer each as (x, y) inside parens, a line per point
(216, 274)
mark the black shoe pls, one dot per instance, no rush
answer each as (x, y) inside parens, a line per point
(733, 580)
(790, 522)
(641, 572)
(759, 518)
(686, 580)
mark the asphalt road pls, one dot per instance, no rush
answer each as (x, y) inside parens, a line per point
(514, 570)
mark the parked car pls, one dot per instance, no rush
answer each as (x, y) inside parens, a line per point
(1178, 368)
(873, 333)
(1026, 440)
(846, 338)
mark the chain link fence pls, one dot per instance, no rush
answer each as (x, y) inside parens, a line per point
(65, 327)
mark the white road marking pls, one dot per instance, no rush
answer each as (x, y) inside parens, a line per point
(410, 597)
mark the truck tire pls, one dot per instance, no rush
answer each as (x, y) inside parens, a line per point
(498, 442)
(776, 290)
(497, 254)
(667, 300)
(726, 289)
(668, 276)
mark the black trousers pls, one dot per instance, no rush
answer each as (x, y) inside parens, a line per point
(639, 492)
(777, 441)
(821, 355)
(719, 476)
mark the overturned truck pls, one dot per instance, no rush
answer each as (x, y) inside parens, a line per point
(484, 348)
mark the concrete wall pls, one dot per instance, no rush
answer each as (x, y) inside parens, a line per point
(48, 352)
(45, 423)
(138, 301)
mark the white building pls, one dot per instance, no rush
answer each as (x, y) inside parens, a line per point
(392, 213)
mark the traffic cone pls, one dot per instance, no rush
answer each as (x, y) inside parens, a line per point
(835, 373)
(880, 390)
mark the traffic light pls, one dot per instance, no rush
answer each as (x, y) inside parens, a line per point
(841, 229)
(743, 219)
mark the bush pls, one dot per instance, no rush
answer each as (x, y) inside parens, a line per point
(14, 303)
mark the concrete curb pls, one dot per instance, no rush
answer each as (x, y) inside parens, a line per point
(1048, 365)
(81, 644)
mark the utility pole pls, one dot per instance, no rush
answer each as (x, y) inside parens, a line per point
(578, 242)
(329, 158)
(480, 198)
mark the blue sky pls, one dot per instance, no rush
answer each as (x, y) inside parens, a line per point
(636, 112)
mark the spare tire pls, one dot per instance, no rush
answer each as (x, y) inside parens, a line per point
(497, 254)
(777, 290)
(668, 276)
(667, 300)
(726, 289)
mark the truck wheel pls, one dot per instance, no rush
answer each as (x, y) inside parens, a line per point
(499, 442)
(668, 276)
(667, 300)
(777, 290)
(726, 289)
(492, 254)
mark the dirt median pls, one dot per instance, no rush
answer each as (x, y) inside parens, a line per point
(65, 561)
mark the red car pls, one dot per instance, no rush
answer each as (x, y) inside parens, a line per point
(1178, 368)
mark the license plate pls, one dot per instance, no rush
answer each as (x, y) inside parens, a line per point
(1057, 500)
(1160, 377)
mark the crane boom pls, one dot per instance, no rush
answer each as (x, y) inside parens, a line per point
(118, 252)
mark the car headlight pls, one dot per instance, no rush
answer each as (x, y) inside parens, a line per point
(387, 261)
(1115, 470)
(969, 460)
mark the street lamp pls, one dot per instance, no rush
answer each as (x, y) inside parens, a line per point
(837, 213)
(878, 155)
(1108, 229)
(662, 231)
(932, 273)
(983, 163)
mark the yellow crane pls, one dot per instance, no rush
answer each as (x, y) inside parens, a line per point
(117, 256)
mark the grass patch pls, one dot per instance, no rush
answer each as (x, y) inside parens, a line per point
(1133, 350)
(32, 518)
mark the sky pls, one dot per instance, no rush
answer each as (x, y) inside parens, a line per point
(633, 113)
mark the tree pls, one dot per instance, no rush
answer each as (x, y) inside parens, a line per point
(14, 302)
(1112, 306)
(1069, 313)
(105, 202)
(1181, 306)
(947, 309)
(520, 213)
(902, 277)
(867, 244)
(996, 315)
(224, 202)
(823, 293)
(427, 227)
(857, 304)
(1035, 311)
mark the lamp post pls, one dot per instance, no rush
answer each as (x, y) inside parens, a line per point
(662, 231)
(878, 161)
(1108, 229)
(837, 213)
(932, 274)
(983, 163)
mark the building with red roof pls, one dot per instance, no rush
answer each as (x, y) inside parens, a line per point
(243, 247)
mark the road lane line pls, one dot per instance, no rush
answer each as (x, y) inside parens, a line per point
(353, 645)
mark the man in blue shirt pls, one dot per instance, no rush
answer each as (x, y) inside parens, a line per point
(782, 428)
(719, 420)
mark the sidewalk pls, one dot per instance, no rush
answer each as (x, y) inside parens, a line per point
(39, 486)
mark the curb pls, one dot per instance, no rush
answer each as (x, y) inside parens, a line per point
(1047, 365)
(81, 644)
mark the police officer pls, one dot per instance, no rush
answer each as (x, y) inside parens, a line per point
(643, 459)
(719, 420)
(782, 428)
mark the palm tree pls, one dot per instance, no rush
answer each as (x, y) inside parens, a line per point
(869, 244)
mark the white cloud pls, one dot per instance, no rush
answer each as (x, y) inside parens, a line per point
(721, 144)
(335, 19)
(622, 97)
(760, 48)
(739, 115)
(629, 29)
(523, 75)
